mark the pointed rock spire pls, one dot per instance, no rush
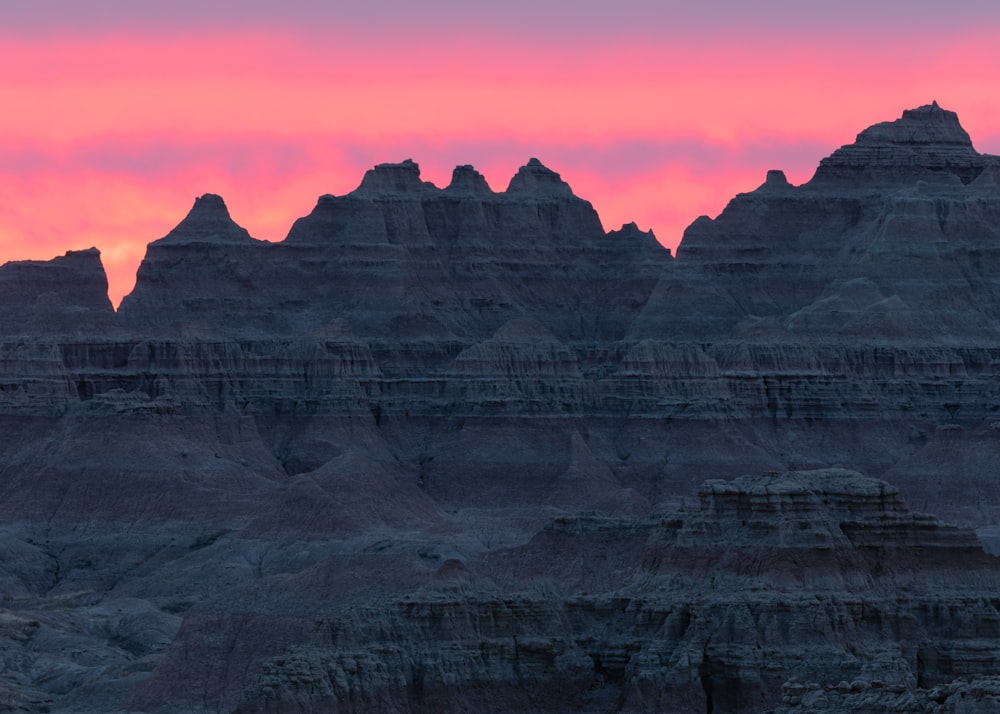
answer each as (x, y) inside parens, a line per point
(208, 221)
(534, 179)
(775, 181)
(466, 181)
(776, 177)
(325, 222)
(631, 234)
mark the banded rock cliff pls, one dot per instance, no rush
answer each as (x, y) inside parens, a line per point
(241, 478)
(770, 580)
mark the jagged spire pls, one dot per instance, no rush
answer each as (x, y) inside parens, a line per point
(208, 221)
(466, 181)
(536, 179)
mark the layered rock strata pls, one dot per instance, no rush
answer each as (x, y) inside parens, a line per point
(66, 295)
(394, 399)
(814, 577)
(863, 299)
(401, 259)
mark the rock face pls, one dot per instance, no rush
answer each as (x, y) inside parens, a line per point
(400, 258)
(438, 450)
(808, 576)
(895, 239)
(927, 143)
(65, 295)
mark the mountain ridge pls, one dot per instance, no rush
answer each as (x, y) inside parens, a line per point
(441, 447)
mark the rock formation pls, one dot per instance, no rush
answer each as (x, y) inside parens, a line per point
(399, 258)
(774, 579)
(894, 238)
(64, 295)
(440, 449)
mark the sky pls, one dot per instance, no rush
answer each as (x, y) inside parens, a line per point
(116, 115)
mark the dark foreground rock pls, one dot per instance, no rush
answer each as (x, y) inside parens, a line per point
(818, 577)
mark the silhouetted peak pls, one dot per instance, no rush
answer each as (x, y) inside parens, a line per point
(630, 233)
(926, 125)
(776, 177)
(927, 143)
(327, 220)
(466, 181)
(401, 178)
(87, 259)
(775, 181)
(210, 202)
(208, 221)
(328, 204)
(49, 294)
(536, 180)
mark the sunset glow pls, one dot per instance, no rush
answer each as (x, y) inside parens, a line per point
(111, 132)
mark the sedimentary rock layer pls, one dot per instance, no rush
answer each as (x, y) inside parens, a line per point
(811, 576)
(348, 469)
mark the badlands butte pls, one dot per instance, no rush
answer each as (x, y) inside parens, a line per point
(450, 450)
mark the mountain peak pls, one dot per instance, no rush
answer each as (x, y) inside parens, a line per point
(926, 144)
(536, 179)
(775, 182)
(401, 178)
(210, 202)
(929, 125)
(466, 181)
(208, 221)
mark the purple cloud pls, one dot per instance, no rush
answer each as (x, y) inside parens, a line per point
(526, 17)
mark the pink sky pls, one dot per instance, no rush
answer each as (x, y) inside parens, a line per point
(113, 122)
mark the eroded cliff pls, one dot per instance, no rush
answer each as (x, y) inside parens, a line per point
(418, 392)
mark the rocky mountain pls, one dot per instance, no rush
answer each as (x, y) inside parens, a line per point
(894, 239)
(444, 449)
(400, 259)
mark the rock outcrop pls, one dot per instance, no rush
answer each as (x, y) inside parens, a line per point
(910, 210)
(925, 144)
(399, 258)
(438, 449)
(819, 577)
(63, 296)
